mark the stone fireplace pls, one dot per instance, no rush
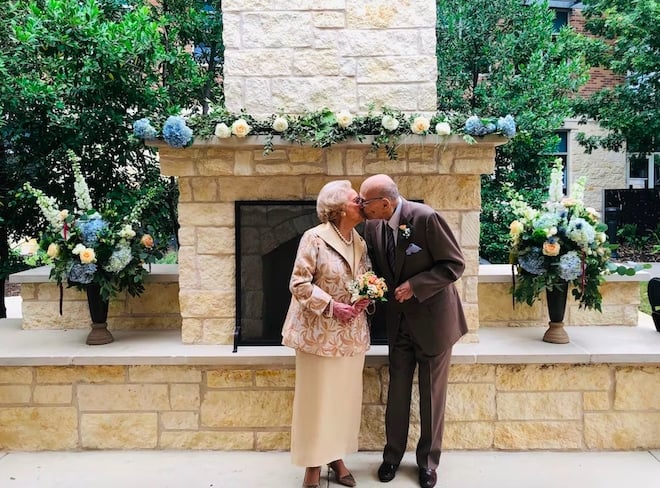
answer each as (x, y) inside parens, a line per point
(288, 57)
(215, 174)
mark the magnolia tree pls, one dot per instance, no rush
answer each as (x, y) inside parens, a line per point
(500, 56)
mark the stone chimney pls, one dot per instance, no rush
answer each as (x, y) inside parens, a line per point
(288, 56)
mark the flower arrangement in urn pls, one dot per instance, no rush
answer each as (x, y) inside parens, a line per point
(562, 243)
(86, 245)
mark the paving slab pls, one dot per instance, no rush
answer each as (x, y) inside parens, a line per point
(215, 469)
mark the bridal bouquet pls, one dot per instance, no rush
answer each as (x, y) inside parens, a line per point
(86, 245)
(368, 286)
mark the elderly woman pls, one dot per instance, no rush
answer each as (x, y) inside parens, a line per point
(330, 336)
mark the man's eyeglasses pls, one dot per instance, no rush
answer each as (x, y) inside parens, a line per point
(362, 202)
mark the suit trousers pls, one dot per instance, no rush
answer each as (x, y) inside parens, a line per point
(433, 373)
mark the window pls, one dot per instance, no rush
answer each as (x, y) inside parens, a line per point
(561, 19)
(644, 169)
(561, 151)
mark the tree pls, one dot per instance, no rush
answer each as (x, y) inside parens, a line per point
(628, 44)
(75, 74)
(497, 57)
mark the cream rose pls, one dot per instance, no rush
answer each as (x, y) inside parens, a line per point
(63, 215)
(280, 124)
(240, 128)
(53, 250)
(389, 123)
(420, 125)
(222, 131)
(515, 228)
(344, 119)
(442, 129)
(87, 255)
(30, 247)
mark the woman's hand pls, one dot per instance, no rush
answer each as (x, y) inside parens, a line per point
(343, 312)
(361, 305)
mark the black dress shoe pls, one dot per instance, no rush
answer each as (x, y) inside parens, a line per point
(387, 471)
(427, 478)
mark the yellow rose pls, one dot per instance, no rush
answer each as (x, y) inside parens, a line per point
(147, 241)
(87, 255)
(515, 228)
(53, 250)
(551, 248)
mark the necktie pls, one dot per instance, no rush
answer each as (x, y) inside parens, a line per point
(389, 246)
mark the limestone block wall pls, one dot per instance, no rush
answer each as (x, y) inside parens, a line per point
(156, 308)
(620, 307)
(214, 174)
(309, 54)
(603, 169)
(511, 407)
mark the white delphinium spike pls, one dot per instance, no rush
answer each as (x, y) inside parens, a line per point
(83, 199)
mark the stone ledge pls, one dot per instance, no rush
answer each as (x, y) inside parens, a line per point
(260, 140)
(589, 345)
(160, 273)
(501, 273)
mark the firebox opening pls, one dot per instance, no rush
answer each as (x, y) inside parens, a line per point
(267, 238)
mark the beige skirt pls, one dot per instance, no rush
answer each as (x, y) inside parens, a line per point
(327, 407)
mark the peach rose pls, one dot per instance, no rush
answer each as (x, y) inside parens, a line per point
(87, 256)
(240, 128)
(551, 248)
(147, 241)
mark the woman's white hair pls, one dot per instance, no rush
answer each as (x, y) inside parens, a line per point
(332, 199)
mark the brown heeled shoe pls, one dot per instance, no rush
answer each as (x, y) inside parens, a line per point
(346, 480)
(317, 484)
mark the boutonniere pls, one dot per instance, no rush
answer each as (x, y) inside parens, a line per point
(405, 230)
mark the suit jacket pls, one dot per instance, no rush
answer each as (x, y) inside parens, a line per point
(432, 261)
(321, 273)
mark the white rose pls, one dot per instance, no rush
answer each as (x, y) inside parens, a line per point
(63, 215)
(344, 119)
(389, 123)
(78, 249)
(420, 125)
(222, 131)
(280, 124)
(240, 128)
(442, 129)
(30, 247)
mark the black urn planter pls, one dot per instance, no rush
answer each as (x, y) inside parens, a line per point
(98, 311)
(556, 299)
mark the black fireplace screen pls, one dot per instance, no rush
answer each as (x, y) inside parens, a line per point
(267, 237)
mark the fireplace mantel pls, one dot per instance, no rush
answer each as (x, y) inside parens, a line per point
(214, 173)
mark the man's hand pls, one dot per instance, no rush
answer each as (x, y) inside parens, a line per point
(403, 292)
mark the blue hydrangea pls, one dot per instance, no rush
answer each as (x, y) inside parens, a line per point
(119, 259)
(570, 266)
(507, 126)
(90, 230)
(175, 131)
(474, 127)
(533, 261)
(82, 273)
(142, 129)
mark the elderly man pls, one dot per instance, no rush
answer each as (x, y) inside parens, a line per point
(412, 247)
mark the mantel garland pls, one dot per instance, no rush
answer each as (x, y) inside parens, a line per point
(322, 128)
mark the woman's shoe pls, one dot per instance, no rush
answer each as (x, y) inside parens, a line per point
(347, 479)
(315, 481)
